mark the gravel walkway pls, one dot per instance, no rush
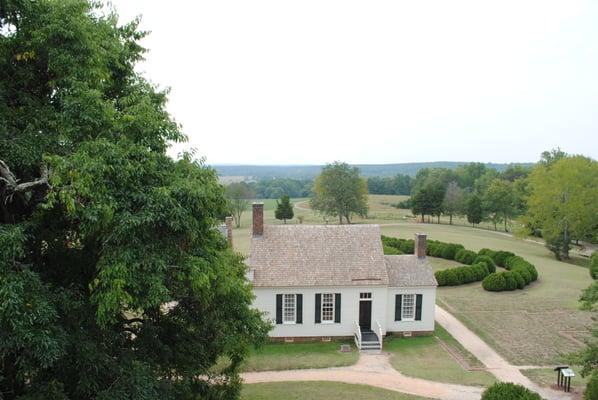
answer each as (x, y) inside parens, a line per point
(372, 370)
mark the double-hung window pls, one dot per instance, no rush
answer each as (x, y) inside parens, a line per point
(327, 307)
(408, 311)
(289, 308)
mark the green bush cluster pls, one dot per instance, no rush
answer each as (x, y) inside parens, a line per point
(465, 256)
(594, 265)
(480, 266)
(390, 250)
(509, 391)
(487, 261)
(520, 274)
(461, 275)
(591, 392)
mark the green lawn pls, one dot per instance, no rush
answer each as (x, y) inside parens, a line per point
(281, 356)
(534, 326)
(425, 357)
(547, 377)
(318, 391)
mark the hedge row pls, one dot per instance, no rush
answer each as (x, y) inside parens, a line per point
(461, 275)
(520, 274)
(478, 266)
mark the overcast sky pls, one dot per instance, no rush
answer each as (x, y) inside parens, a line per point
(313, 81)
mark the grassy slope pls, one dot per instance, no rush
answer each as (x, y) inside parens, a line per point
(424, 357)
(533, 326)
(318, 391)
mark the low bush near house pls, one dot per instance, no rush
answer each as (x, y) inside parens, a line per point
(461, 275)
(509, 391)
(465, 256)
(486, 260)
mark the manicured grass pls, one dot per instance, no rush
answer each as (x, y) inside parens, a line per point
(533, 326)
(425, 357)
(282, 356)
(318, 391)
(547, 377)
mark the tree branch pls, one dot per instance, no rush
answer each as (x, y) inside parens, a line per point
(12, 185)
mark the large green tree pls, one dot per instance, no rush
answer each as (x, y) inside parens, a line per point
(563, 200)
(238, 195)
(499, 201)
(340, 192)
(114, 283)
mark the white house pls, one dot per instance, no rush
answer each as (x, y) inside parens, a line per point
(321, 281)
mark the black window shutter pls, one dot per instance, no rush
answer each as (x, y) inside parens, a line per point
(398, 306)
(279, 308)
(418, 307)
(318, 307)
(299, 316)
(337, 307)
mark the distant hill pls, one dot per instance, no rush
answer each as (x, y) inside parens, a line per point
(310, 171)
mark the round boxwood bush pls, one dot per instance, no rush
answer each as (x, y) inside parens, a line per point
(509, 391)
(450, 250)
(486, 260)
(501, 257)
(487, 252)
(494, 282)
(594, 265)
(465, 256)
(407, 246)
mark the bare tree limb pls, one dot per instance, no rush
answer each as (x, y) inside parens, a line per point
(12, 185)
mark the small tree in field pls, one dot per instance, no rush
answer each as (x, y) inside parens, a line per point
(453, 200)
(475, 211)
(339, 191)
(238, 195)
(284, 209)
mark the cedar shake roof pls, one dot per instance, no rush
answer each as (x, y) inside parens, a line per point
(318, 255)
(409, 271)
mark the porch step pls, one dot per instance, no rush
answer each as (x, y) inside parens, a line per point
(369, 340)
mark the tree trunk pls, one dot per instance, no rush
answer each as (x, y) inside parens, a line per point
(506, 220)
(438, 219)
(566, 239)
(340, 219)
(450, 219)
(423, 218)
(285, 221)
(495, 228)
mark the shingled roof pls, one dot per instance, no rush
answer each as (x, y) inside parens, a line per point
(318, 255)
(409, 271)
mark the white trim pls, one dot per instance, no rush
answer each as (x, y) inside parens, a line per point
(292, 306)
(412, 307)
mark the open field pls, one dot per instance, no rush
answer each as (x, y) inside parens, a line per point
(534, 326)
(426, 357)
(282, 356)
(318, 391)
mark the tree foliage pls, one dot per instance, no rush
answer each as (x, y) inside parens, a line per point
(499, 201)
(239, 196)
(284, 209)
(100, 229)
(475, 210)
(563, 201)
(340, 192)
(454, 200)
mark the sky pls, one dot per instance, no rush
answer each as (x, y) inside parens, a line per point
(314, 81)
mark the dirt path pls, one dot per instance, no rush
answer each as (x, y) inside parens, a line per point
(373, 370)
(494, 363)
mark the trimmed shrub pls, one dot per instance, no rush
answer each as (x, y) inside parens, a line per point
(511, 281)
(509, 391)
(594, 268)
(520, 279)
(501, 256)
(407, 246)
(465, 256)
(390, 250)
(487, 260)
(461, 275)
(487, 252)
(494, 282)
(450, 250)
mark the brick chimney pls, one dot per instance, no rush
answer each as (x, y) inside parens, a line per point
(258, 219)
(228, 221)
(420, 245)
